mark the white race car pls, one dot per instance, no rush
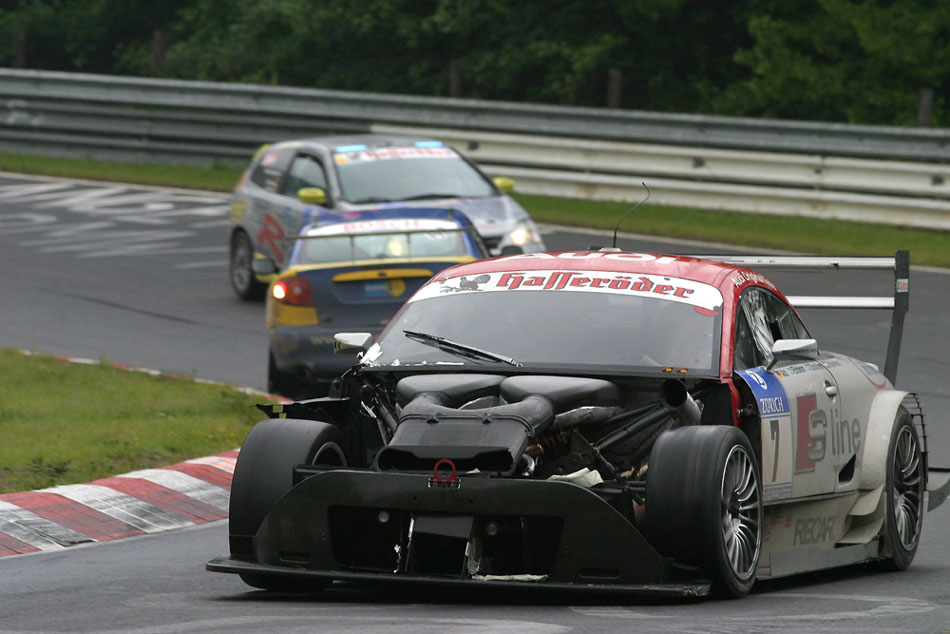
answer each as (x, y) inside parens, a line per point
(654, 423)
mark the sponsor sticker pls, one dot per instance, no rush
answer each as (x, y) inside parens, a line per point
(768, 392)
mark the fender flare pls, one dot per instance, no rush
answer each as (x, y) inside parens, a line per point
(876, 441)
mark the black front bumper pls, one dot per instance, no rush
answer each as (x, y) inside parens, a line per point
(364, 525)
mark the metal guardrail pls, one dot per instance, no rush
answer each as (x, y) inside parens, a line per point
(879, 174)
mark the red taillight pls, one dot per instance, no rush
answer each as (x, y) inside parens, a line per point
(295, 291)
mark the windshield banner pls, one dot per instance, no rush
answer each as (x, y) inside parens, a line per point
(386, 225)
(382, 154)
(656, 286)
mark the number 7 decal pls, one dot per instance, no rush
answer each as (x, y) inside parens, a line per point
(776, 451)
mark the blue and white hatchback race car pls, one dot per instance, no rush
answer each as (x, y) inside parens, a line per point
(352, 271)
(286, 183)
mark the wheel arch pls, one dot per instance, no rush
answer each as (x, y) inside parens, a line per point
(881, 419)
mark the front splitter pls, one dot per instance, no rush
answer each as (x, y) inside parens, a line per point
(655, 590)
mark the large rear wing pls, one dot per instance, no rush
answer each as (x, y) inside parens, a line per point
(898, 303)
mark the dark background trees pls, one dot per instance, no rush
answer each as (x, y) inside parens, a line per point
(856, 61)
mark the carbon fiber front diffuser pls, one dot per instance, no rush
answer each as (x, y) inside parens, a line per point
(345, 524)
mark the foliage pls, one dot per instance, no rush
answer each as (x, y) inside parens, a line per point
(845, 60)
(861, 61)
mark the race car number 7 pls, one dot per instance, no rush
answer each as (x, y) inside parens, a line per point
(776, 456)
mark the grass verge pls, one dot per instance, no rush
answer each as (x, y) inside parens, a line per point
(805, 235)
(217, 177)
(64, 423)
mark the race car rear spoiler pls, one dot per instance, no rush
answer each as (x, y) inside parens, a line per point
(898, 303)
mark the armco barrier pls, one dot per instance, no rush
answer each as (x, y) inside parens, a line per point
(872, 173)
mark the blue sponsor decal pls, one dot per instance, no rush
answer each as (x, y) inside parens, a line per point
(376, 288)
(767, 391)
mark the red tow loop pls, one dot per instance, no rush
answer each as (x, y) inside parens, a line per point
(436, 477)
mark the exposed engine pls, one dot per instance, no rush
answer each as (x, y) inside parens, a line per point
(531, 426)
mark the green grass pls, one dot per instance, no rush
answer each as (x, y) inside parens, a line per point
(63, 423)
(217, 177)
(805, 235)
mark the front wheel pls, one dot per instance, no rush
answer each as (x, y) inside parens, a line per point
(264, 469)
(905, 494)
(704, 504)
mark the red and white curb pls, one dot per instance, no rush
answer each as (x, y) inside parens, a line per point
(148, 501)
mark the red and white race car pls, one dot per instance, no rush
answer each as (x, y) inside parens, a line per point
(655, 423)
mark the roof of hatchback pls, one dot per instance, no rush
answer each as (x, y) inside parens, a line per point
(369, 140)
(701, 270)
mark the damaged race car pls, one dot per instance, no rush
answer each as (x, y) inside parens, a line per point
(602, 419)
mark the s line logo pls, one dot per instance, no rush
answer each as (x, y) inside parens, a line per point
(812, 426)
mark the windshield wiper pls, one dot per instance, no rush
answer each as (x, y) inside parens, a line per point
(370, 199)
(427, 196)
(459, 349)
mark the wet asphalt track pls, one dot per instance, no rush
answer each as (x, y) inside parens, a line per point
(138, 276)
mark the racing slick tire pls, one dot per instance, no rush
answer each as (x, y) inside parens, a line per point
(905, 484)
(243, 281)
(263, 474)
(704, 504)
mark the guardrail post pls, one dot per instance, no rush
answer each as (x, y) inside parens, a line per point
(901, 306)
(614, 83)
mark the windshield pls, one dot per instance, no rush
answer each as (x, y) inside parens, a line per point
(391, 174)
(382, 239)
(610, 329)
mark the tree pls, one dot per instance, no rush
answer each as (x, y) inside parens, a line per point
(860, 61)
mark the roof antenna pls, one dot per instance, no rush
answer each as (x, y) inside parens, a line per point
(631, 211)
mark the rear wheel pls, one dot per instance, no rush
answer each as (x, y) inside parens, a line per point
(280, 382)
(905, 494)
(704, 504)
(264, 473)
(243, 281)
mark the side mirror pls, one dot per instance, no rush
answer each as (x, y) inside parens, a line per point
(504, 183)
(263, 266)
(793, 350)
(311, 195)
(346, 341)
(511, 249)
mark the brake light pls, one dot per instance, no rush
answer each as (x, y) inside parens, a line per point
(295, 291)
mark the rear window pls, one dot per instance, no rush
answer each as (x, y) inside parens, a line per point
(375, 240)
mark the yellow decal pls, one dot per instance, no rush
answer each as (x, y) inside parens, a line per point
(380, 274)
(285, 315)
(395, 287)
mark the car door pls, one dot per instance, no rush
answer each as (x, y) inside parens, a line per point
(797, 399)
(264, 217)
(288, 213)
